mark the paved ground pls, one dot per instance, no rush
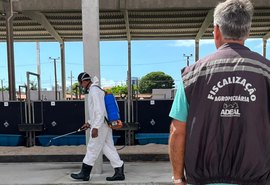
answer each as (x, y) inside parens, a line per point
(81, 149)
(137, 173)
(144, 165)
(150, 152)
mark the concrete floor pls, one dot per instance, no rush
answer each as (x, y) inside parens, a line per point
(137, 173)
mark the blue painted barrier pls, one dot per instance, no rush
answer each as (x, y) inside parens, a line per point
(157, 138)
(11, 140)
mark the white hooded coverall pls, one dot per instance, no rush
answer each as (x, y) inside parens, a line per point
(104, 141)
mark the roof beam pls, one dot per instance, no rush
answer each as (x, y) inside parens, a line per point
(266, 36)
(1, 8)
(206, 23)
(127, 25)
(41, 19)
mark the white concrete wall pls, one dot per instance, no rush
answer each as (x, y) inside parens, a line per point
(45, 95)
(163, 93)
(6, 96)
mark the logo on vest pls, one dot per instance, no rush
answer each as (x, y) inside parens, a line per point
(250, 90)
(230, 110)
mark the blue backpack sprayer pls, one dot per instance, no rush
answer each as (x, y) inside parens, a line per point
(112, 110)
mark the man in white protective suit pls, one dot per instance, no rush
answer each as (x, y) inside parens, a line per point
(101, 138)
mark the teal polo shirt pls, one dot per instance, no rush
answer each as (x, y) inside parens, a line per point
(179, 110)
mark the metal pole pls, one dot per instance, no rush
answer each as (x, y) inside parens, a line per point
(10, 48)
(63, 69)
(129, 82)
(264, 47)
(55, 79)
(38, 57)
(38, 70)
(39, 86)
(29, 133)
(55, 75)
(129, 133)
(2, 86)
(197, 50)
(187, 58)
(28, 96)
(71, 90)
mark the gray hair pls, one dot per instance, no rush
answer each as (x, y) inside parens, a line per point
(233, 17)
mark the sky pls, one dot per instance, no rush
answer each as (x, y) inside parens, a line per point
(146, 56)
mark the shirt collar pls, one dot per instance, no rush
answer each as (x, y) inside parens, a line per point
(233, 46)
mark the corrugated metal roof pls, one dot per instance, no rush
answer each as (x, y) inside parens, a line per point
(143, 25)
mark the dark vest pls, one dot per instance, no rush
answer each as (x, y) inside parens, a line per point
(228, 125)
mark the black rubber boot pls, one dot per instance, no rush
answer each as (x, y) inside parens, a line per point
(84, 173)
(118, 175)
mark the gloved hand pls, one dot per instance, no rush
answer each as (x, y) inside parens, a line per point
(85, 126)
(94, 132)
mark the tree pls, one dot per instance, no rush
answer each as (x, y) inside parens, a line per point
(4, 88)
(33, 85)
(155, 80)
(122, 91)
(75, 88)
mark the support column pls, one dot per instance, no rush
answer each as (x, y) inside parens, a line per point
(90, 21)
(129, 83)
(10, 48)
(197, 50)
(264, 47)
(129, 135)
(90, 24)
(63, 69)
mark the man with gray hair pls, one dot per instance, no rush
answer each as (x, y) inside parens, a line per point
(221, 113)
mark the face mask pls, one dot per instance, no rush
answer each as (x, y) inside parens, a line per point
(84, 90)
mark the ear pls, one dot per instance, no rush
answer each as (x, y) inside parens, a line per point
(216, 33)
(218, 37)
